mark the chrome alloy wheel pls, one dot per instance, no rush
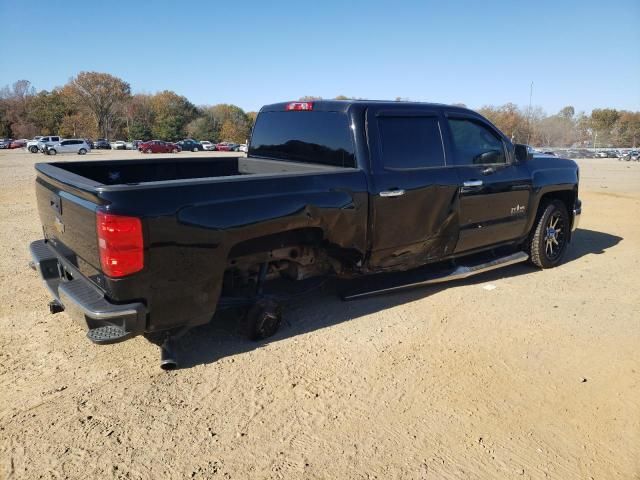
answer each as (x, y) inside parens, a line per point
(555, 236)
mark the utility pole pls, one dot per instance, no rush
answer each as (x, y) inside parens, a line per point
(529, 114)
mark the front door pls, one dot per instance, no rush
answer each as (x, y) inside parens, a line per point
(414, 190)
(494, 189)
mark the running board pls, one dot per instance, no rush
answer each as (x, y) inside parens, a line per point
(427, 278)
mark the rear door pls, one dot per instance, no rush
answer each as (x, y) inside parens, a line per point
(414, 189)
(495, 190)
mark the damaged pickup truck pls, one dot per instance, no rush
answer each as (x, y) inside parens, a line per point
(340, 188)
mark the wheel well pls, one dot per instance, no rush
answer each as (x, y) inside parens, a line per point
(568, 197)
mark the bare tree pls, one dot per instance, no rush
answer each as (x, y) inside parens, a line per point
(102, 95)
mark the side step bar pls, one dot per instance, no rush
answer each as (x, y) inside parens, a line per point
(416, 279)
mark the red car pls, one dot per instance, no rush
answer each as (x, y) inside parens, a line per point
(18, 144)
(158, 146)
(227, 147)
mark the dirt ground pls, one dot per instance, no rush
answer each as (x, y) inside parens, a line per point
(536, 378)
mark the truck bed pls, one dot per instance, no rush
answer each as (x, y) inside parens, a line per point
(141, 171)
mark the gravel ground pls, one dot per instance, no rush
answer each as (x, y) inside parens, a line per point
(538, 377)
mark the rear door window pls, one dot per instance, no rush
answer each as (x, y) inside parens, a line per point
(302, 136)
(410, 142)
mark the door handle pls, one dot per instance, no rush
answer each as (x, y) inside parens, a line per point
(392, 193)
(472, 183)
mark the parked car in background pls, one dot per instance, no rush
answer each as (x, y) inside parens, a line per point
(158, 146)
(243, 148)
(5, 142)
(227, 147)
(32, 145)
(207, 145)
(102, 144)
(45, 141)
(631, 155)
(18, 143)
(190, 145)
(118, 145)
(70, 145)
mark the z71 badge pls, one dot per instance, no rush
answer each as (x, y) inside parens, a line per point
(518, 210)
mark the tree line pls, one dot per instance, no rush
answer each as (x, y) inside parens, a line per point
(94, 104)
(603, 127)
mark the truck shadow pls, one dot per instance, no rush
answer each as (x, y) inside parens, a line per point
(323, 308)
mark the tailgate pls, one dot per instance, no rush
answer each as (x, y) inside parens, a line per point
(69, 224)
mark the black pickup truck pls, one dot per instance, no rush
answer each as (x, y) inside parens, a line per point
(341, 188)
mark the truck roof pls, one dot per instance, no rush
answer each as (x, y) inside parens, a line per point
(344, 105)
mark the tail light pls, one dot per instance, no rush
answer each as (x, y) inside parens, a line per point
(120, 244)
(299, 106)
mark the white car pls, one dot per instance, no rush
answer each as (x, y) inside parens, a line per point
(207, 145)
(243, 148)
(41, 143)
(72, 145)
(32, 145)
(118, 145)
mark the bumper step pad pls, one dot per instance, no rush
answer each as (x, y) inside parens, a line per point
(108, 334)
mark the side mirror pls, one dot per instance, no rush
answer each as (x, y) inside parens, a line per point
(522, 152)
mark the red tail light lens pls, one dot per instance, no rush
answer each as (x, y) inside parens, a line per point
(299, 106)
(120, 244)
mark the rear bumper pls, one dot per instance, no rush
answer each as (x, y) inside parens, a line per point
(85, 303)
(577, 211)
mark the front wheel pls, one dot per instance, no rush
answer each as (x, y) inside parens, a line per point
(82, 151)
(195, 149)
(149, 150)
(550, 235)
(33, 149)
(175, 150)
(51, 151)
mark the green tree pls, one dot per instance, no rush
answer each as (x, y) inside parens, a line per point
(203, 128)
(47, 111)
(172, 113)
(603, 121)
(140, 117)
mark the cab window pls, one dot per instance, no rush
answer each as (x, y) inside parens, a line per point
(410, 142)
(475, 143)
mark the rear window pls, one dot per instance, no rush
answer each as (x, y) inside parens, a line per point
(308, 137)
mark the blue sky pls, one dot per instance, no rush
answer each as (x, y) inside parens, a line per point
(583, 53)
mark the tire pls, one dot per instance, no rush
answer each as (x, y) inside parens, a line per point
(550, 235)
(175, 150)
(148, 150)
(263, 319)
(33, 149)
(51, 151)
(195, 149)
(82, 151)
